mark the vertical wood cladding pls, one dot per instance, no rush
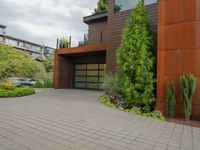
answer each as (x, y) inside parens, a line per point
(98, 32)
(116, 24)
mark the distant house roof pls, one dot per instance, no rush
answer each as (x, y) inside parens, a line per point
(93, 18)
(2, 26)
(21, 40)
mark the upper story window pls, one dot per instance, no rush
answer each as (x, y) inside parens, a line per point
(122, 5)
(148, 2)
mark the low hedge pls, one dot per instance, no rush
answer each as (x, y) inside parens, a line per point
(17, 92)
(155, 114)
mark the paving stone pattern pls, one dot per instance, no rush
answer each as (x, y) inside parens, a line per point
(76, 120)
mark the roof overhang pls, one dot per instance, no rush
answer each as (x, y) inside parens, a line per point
(82, 50)
(94, 18)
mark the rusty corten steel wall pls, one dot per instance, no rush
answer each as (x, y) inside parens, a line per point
(116, 24)
(64, 63)
(63, 69)
(178, 49)
(98, 30)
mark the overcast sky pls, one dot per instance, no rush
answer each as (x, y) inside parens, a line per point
(42, 21)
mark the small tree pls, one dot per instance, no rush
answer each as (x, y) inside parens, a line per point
(135, 60)
(102, 7)
(188, 86)
(171, 99)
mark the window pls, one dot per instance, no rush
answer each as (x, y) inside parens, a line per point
(122, 5)
(148, 2)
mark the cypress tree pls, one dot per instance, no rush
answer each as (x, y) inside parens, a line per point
(135, 60)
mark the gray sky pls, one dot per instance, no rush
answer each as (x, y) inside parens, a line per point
(42, 21)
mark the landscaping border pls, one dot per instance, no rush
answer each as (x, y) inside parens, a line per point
(155, 114)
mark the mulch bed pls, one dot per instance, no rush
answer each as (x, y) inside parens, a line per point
(182, 121)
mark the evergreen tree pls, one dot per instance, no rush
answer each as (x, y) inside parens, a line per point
(102, 7)
(135, 60)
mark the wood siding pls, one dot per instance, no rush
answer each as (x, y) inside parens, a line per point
(98, 32)
(116, 24)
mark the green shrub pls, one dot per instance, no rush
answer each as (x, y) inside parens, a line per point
(7, 85)
(111, 85)
(157, 115)
(17, 92)
(14, 63)
(188, 86)
(102, 7)
(64, 43)
(43, 83)
(48, 63)
(136, 110)
(136, 62)
(171, 99)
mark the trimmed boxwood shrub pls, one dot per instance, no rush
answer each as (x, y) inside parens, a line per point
(17, 92)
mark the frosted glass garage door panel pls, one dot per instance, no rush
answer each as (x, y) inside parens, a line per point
(92, 73)
(92, 79)
(82, 79)
(79, 85)
(81, 67)
(91, 85)
(81, 73)
(92, 66)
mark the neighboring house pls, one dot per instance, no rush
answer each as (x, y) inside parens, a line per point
(177, 50)
(36, 51)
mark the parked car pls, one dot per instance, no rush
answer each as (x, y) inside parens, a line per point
(23, 81)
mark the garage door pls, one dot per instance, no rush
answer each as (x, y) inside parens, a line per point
(89, 76)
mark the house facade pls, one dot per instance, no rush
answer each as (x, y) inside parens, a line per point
(85, 66)
(36, 51)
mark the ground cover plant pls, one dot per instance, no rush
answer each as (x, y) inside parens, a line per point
(135, 110)
(17, 92)
(9, 89)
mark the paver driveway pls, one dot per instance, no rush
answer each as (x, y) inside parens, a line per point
(76, 120)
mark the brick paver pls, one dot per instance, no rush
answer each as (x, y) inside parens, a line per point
(76, 120)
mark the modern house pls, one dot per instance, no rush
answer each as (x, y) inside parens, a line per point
(36, 51)
(176, 25)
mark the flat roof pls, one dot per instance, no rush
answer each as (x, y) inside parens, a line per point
(82, 49)
(91, 18)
